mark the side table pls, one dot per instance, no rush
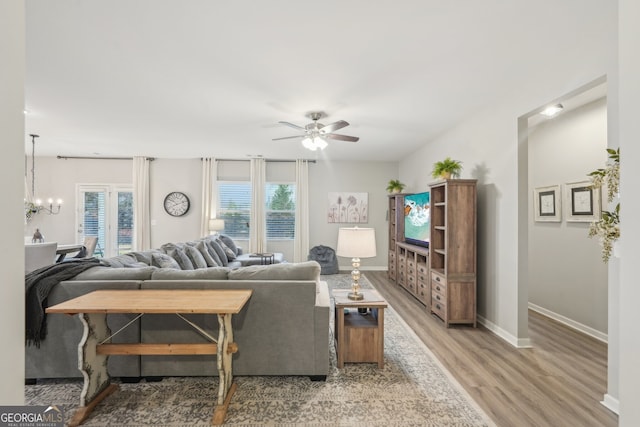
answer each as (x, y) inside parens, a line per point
(358, 337)
(266, 258)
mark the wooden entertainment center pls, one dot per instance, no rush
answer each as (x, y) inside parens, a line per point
(443, 276)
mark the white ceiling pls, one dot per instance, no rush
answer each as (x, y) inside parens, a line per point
(193, 78)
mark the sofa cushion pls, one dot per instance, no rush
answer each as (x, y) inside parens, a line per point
(181, 258)
(228, 241)
(308, 270)
(161, 260)
(215, 244)
(204, 251)
(168, 246)
(144, 256)
(227, 250)
(116, 273)
(120, 260)
(195, 257)
(211, 273)
(209, 245)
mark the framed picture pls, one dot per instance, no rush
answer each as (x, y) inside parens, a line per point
(348, 208)
(546, 202)
(582, 202)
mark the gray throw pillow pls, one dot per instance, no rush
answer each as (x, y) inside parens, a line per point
(143, 256)
(209, 245)
(230, 243)
(181, 258)
(120, 260)
(195, 257)
(220, 251)
(163, 261)
(168, 246)
(204, 251)
(227, 250)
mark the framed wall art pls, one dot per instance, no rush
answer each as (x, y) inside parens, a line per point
(350, 208)
(582, 203)
(546, 202)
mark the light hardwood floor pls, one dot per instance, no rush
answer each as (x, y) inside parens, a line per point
(559, 382)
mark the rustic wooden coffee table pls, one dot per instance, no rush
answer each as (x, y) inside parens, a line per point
(95, 345)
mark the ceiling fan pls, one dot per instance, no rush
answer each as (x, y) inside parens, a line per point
(315, 134)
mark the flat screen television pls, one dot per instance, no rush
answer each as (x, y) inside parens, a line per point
(417, 219)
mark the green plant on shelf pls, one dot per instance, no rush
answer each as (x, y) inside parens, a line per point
(395, 186)
(447, 168)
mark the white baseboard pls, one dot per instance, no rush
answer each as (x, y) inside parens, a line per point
(587, 330)
(511, 339)
(611, 403)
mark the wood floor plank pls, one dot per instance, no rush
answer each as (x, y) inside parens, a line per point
(558, 382)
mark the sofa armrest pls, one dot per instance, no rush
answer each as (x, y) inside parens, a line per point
(322, 294)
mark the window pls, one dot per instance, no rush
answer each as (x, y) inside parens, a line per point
(106, 211)
(280, 211)
(234, 206)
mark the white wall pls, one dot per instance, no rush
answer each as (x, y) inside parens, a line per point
(488, 144)
(166, 176)
(57, 178)
(566, 274)
(12, 72)
(629, 93)
(362, 177)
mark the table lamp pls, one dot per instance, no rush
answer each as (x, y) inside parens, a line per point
(216, 225)
(356, 243)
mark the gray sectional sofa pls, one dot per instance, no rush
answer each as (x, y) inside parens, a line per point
(282, 330)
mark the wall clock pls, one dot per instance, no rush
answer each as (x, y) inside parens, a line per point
(176, 203)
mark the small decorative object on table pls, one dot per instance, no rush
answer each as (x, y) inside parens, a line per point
(37, 237)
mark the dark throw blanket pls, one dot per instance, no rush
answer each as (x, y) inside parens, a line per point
(38, 284)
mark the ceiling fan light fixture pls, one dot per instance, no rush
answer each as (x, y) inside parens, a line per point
(319, 143)
(308, 144)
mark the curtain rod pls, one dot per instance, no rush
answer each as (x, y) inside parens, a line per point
(99, 158)
(266, 160)
(153, 158)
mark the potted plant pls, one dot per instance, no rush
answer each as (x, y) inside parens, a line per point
(447, 168)
(607, 228)
(395, 186)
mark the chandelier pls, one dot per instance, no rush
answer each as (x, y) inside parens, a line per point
(34, 205)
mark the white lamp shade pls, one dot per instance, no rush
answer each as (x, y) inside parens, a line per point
(216, 224)
(356, 242)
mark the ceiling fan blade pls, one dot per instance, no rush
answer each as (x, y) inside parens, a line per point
(333, 126)
(288, 137)
(342, 137)
(292, 125)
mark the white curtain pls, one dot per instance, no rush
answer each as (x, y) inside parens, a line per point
(301, 242)
(141, 214)
(209, 193)
(257, 232)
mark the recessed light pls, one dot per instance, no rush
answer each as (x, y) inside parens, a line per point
(552, 110)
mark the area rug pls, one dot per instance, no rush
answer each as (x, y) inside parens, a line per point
(413, 389)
